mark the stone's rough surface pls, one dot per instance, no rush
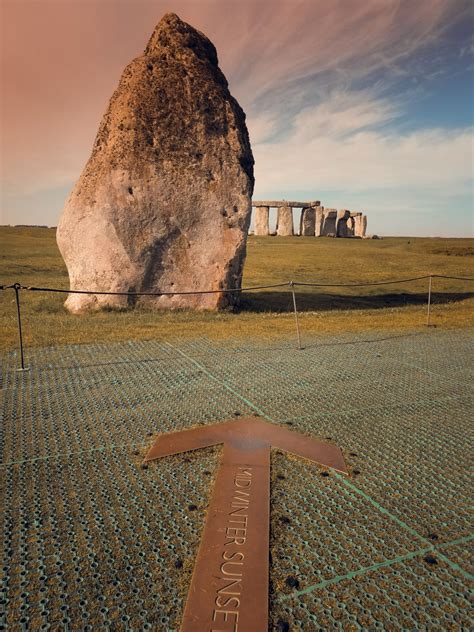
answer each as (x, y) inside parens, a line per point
(285, 221)
(342, 229)
(318, 222)
(307, 223)
(350, 226)
(164, 201)
(262, 214)
(329, 223)
(360, 226)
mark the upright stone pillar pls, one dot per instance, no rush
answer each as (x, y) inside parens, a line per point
(329, 224)
(341, 223)
(261, 220)
(357, 225)
(359, 228)
(350, 226)
(318, 224)
(364, 225)
(285, 221)
(308, 221)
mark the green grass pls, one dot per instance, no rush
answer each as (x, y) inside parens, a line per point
(30, 256)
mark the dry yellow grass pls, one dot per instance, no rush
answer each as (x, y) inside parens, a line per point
(30, 256)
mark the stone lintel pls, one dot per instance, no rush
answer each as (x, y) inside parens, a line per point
(282, 203)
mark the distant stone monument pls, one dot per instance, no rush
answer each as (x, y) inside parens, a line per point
(315, 220)
(164, 202)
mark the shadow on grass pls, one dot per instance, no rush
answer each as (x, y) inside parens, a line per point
(315, 302)
(282, 302)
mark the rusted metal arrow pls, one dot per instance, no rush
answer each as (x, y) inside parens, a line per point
(229, 588)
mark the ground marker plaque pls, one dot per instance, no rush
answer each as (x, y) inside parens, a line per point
(229, 587)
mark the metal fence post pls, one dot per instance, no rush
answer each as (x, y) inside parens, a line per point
(428, 316)
(17, 287)
(292, 286)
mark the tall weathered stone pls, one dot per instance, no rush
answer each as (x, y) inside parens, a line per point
(329, 223)
(319, 219)
(342, 229)
(285, 221)
(261, 220)
(307, 222)
(164, 202)
(360, 225)
(350, 226)
(364, 225)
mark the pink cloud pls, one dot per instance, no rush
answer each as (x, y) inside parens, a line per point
(62, 60)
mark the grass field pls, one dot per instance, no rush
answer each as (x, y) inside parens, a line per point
(95, 541)
(30, 256)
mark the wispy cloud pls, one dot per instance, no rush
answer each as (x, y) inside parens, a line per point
(284, 45)
(312, 159)
(325, 86)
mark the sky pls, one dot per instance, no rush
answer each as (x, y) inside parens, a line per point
(362, 104)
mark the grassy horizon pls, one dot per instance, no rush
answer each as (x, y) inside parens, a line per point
(30, 256)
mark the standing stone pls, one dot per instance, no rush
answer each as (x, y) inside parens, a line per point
(307, 223)
(164, 201)
(285, 221)
(364, 225)
(341, 223)
(329, 224)
(350, 225)
(261, 222)
(318, 225)
(360, 225)
(357, 224)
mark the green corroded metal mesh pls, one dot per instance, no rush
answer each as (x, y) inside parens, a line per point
(92, 540)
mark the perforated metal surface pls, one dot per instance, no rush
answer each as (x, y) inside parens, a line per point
(93, 541)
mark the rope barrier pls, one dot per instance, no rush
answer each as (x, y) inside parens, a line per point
(444, 276)
(32, 288)
(223, 291)
(302, 283)
(102, 293)
(289, 284)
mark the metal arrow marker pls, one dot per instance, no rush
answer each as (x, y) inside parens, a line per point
(229, 587)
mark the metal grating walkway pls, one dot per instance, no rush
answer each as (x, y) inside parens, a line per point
(93, 541)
